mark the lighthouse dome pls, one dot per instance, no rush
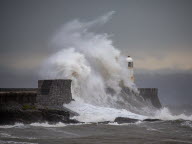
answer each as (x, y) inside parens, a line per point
(129, 59)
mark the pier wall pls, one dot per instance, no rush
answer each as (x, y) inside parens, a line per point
(18, 95)
(49, 93)
(54, 92)
(151, 94)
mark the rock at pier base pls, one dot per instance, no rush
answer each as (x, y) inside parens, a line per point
(29, 114)
(151, 120)
(121, 120)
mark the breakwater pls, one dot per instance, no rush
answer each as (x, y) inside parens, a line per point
(42, 104)
(151, 94)
(45, 103)
(56, 93)
(18, 95)
(49, 93)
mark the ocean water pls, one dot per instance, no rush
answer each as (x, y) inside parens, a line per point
(163, 132)
(172, 129)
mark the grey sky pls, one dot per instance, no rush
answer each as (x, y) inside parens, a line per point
(157, 33)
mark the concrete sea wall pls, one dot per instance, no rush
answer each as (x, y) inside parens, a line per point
(49, 93)
(56, 93)
(151, 94)
(18, 95)
(45, 103)
(42, 104)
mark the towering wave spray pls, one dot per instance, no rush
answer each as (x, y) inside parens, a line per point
(94, 65)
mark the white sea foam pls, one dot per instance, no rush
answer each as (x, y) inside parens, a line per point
(16, 125)
(165, 114)
(14, 142)
(59, 124)
(124, 124)
(6, 135)
(187, 124)
(91, 113)
(46, 124)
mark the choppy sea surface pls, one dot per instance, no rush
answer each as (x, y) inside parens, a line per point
(164, 132)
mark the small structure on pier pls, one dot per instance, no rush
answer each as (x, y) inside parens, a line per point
(130, 68)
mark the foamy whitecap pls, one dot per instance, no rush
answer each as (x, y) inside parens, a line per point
(46, 124)
(14, 142)
(6, 135)
(124, 124)
(187, 124)
(91, 113)
(165, 114)
(16, 125)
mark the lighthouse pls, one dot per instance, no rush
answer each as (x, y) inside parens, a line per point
(130, 68)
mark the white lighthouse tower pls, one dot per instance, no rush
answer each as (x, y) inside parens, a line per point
(130, 68)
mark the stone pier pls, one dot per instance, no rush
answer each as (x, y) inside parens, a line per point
(54, 92)
(151, 94)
